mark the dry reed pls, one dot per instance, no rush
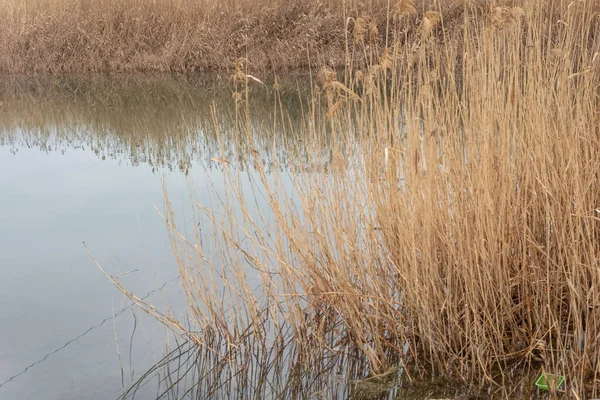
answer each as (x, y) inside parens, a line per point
(83, 36)
(452, 226)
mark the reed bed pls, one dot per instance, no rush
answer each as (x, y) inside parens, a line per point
(84, 36)
(449, 228)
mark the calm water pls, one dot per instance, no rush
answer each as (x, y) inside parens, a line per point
(84, 161)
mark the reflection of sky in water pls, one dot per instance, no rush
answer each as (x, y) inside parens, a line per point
(64, 183)
(50, 289)
(159, 122)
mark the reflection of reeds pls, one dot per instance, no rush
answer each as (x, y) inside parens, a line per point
(471, 251)
(159, 121)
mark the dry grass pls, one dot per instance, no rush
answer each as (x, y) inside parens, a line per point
(452, 226)
(84, 36)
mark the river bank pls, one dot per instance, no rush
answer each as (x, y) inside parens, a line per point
(185, 36)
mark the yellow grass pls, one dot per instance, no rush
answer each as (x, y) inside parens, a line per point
(77, 36)
(451, 227)
(82, 36)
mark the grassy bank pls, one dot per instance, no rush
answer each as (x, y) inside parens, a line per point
(79, 36)
(83, 36)
(451, 227)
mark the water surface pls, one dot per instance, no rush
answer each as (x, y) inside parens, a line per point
(84, 161)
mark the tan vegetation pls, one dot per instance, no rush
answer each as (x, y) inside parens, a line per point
(83, 36)
(452, 226)
(80, 36)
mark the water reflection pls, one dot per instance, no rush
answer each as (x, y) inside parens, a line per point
(79, 160)
(163, 121)
(74, 143)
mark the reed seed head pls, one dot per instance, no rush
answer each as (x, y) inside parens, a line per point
(404, 8)
(429, 22)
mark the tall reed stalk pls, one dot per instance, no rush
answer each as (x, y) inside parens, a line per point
(451, 226)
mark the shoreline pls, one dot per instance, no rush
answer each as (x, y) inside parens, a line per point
(210, 36)
(182, 36)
